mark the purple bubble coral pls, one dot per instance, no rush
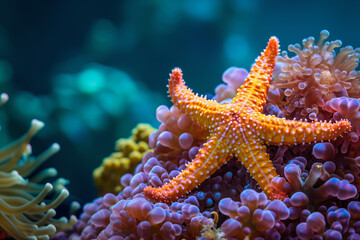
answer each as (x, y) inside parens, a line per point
(255, 216)
(137, 218)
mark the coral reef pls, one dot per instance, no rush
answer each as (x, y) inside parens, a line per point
(321, 179)
(128, 154)
(239, 129)
(27, 205)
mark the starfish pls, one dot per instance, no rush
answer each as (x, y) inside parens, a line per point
(239, 129)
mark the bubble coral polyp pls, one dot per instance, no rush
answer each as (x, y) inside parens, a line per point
(239, 129)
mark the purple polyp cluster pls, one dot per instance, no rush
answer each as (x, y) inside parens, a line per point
(131, 216)
(256, 216)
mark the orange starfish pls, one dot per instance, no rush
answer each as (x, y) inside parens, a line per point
(239, 129)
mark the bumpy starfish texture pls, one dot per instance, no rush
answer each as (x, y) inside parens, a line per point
(239, 129)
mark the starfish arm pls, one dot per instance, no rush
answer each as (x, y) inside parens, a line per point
(209, 158)
(204, 112)
(252, 154)
(279, 131)
(254, 90)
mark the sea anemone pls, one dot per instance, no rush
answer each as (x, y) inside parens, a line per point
(303, 84)
(26, 203)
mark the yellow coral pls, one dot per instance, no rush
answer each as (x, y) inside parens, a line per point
(129, 153)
